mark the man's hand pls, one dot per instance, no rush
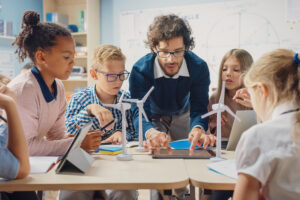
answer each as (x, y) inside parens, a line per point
(92, 141)
(102, 114)
(156, 140)
(197, 137)
(115, 138)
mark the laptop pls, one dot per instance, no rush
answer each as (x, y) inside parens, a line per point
(248, 119)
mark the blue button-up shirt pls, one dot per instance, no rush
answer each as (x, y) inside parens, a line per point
(76, 113)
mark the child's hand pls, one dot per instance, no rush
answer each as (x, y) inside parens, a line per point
(5, 90)
(242, 97)
(92, 141)
(115, 138)
(103, 115)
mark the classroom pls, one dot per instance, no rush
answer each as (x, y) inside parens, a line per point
(149, 100)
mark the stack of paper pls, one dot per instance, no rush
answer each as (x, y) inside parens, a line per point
(109, 150)
(41, 164)
(226, 168)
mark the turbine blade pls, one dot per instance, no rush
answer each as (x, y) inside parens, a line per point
(122, 96)
(131, 100)
(230, 112)
(222, 96)
(148, 93)
(144, 113)
(209, 113)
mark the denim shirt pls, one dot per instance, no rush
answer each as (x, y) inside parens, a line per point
(9, 165)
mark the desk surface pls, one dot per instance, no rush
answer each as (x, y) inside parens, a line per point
(108, 173)
(201, 176)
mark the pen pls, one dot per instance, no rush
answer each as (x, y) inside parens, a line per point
(104, 127)
(3, 118)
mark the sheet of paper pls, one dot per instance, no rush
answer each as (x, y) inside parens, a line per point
(226, 168)
(128, 145)
(41, 164)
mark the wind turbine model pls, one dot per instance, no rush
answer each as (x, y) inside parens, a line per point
(122, 106)
(219, 108)
(140, 105)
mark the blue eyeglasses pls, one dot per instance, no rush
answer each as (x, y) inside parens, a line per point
(113, 77)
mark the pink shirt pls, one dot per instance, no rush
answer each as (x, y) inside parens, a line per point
(43, 122)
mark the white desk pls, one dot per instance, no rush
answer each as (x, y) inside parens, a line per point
(108, 173)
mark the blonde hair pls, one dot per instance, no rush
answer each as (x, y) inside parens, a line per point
(4, 79)
(245, 60)
(281, 74)
(106, 52)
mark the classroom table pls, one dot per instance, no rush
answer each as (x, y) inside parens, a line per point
(205, 179)
(106, 172)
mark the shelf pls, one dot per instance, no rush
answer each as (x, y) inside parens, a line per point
(6, 40)
(79, 34)
(75, 80)
(80, 57)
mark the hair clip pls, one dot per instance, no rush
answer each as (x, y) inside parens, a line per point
(296, 59)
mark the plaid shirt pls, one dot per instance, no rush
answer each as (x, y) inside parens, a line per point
(76, 114)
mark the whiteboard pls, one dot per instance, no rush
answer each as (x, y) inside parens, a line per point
(257, 26)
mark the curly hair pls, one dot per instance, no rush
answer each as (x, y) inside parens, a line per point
(36, 35)
(166, 27)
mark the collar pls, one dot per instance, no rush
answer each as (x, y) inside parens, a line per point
(284, 107)
(158, 72)
(45, 90)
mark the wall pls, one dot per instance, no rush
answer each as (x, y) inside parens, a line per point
(12, 10)
(110, 14)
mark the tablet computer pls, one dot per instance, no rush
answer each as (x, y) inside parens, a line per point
(183, 154)
(76, 143)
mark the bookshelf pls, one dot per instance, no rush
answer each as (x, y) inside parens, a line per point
(87, 40)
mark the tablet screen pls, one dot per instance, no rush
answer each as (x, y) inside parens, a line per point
(183, 154)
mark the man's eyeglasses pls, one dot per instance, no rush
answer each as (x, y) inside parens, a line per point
(113, 77)
(166, 54)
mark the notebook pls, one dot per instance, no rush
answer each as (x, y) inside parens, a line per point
(41, 164)
(226, 168)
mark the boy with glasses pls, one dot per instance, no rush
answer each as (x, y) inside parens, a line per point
(108, 71)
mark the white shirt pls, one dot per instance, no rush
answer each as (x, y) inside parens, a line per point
(158, 72)
(266, 152)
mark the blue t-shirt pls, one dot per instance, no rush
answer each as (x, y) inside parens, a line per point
(9, 165)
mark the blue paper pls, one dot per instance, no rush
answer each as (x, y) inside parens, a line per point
(183, 144)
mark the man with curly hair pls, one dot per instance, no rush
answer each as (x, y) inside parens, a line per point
(181, 81)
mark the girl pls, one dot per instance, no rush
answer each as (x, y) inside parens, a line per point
(233, 65)
(267, 156)
(39, 92)
(13, 147)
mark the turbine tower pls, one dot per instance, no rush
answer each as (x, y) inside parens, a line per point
(219, 108)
